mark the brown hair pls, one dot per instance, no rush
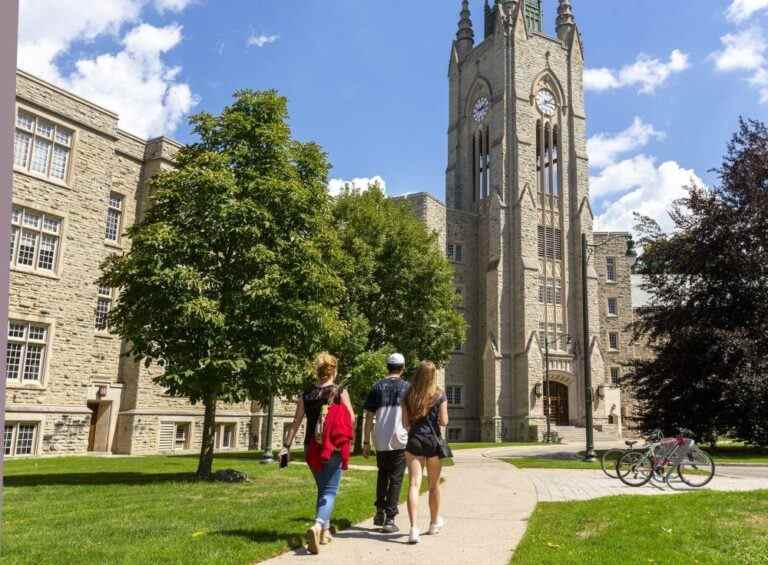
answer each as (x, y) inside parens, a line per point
(422, 392)
(325, 366)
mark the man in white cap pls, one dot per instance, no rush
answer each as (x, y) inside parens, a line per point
(390, 438)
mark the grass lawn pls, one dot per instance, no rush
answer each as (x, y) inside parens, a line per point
(738, 454)
(705, 527)
(151, 510)
(551, 463)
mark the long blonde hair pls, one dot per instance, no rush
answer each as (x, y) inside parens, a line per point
(422, 392)
(325, 367)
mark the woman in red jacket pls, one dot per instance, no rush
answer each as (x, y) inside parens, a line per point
(317, 404)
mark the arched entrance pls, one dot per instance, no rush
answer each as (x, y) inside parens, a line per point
(556, 403)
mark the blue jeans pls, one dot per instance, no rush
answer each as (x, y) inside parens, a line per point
(328, 480)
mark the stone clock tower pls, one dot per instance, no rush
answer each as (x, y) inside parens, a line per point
(517, 205)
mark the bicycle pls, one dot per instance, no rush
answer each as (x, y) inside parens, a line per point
(609, 459)
(662, 459)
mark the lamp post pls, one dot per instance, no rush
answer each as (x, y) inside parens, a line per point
(590, 451)
(547, 399)
(267, 458)
(9, 21)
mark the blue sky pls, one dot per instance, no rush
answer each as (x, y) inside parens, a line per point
(367, 79)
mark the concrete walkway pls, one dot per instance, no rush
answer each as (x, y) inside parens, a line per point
(486, 504)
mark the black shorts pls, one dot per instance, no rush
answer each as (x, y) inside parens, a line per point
(423, 445)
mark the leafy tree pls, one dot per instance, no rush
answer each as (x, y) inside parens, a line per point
(708, 323)
(400, 288)
(229, 284)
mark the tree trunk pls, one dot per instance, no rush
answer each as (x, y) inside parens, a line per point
(205, 464)
(359, 433)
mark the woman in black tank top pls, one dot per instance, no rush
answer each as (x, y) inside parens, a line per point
(311, 404)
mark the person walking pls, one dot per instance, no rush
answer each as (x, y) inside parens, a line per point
(329, 433)
(384, 403)
(425, 410)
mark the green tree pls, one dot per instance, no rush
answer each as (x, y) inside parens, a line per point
(229, 285)
(400, 289)
(708, 323)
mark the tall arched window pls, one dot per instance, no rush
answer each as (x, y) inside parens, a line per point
(556, 160)
(547, 159)
(481, 163)
(539, 156)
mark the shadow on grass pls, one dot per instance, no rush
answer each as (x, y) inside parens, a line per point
(82, 479)
(264, 536)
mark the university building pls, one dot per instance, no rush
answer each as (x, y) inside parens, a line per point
(79, 182)
(517, 204)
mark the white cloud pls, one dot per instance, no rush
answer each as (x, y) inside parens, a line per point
(646, 73)
(648, 190)
(172, 5)
(133, 81)
(358, 184)
(604, 149)
(742, 10)
(261, 40)
(745, 51)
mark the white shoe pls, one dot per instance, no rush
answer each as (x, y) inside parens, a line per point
(435, 528)
(414, 536)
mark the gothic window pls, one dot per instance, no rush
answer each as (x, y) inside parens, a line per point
(550, 243)
(556, 161)
(547, 160)
(550, 291)
(481, 159)
(539, 155)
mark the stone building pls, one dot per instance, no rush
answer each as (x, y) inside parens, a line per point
(517, 204)
(78, 183)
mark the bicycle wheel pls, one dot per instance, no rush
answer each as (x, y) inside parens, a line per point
(609, 460)
(696, 469)
(635, 468)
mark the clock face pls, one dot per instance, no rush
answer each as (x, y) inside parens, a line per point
(546, 102)
(480, 110)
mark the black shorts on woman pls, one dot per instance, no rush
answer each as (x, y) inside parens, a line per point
(423, 440)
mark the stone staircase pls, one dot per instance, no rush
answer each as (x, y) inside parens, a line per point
(576, 435)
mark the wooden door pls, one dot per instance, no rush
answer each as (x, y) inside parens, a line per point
(557, 401)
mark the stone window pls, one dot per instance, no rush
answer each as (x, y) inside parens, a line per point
(556, 339)
(454, 434)
(455, 253)
(481, 159)
(25, 356)
(615, 376)
(35, 239)
(225, 436)
(455, 394)
(613, 341)
(174, 436)
(610, 269)
(550, 291)
(550, 243)
(103, 306)
(114, 217)
(613, 306)
(19, 439)
(42, 147)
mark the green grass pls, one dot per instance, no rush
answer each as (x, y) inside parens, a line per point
(722, 455)
(738, 454)
(705, 527)
(151, 510)
(552, 463)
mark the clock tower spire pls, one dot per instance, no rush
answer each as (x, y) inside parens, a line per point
(465, 37)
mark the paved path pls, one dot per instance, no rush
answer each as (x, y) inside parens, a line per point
(486, 505)
(555, 485)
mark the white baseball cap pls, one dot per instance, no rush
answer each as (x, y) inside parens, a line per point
(396, 359)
